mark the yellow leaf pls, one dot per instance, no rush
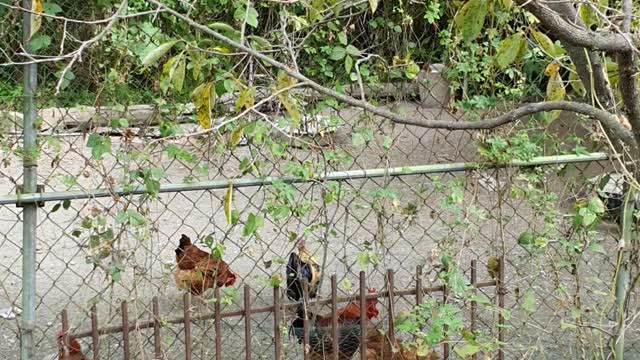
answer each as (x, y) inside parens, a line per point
(284, 81)
(292, 109)
(507, 4)
(221, 49)
(545, 43)
(374, 5)
(165, 75)
(245, 99)
(236, 136)
(555, 92)
(203, 100)
(552, 69)
(36, 18)
(228, 203)
(576, 84)
(555, 88)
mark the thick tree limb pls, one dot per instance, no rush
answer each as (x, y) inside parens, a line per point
(628, 71)
(529, 109)
(576, 35)
(588, 63)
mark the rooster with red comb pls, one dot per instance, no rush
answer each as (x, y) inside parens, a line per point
(303, 268)
(69, 349)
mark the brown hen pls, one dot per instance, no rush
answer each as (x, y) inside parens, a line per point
(198, 270)
(70, 351)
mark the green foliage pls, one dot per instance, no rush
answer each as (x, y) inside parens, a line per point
(498, 150)
(100, 145)
(431, 323)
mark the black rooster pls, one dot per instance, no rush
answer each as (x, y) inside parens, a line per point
(301, 267)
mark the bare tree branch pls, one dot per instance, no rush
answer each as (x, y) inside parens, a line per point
(78, 21)
(576, 35)
(76, 55)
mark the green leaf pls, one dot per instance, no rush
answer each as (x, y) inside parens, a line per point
(588, 216)
(545, 43)
(94, 241)
(39, 42)
(466, 350)
(508, 50)
(470, 18)
(352, 50)
(223, 27)
(259, 42)
(348, 64)
(178, 75)
(50, 8)
(228, 203)
(66, 204)
(373, 4)
(55, 208)
(119, 123)
(412, 71)
(157, 53)
(480, 298)
(253, 223)
(526, 239)
(564, 325)
(529, 301)
(506, 4)
(135, 218)
(275, 281)
(596, 205)
(576, 83)
(99, 145)
(361, 137)
(69, 76)
(387, 142)
(342, 38)
(597, 248)
(252, 17)
(338, 53)
(588, 16)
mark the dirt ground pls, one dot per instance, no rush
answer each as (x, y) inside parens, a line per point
(66, 280)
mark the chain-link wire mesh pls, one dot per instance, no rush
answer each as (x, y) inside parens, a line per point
(100, 251)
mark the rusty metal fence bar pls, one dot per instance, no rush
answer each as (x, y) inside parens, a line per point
(276, 310)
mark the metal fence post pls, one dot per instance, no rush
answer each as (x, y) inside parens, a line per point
(29, 186)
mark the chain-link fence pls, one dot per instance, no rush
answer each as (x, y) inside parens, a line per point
(121, 183)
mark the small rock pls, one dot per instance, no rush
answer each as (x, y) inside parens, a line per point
(10, 313)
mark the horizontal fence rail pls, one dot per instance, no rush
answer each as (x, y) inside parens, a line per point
(328, 176)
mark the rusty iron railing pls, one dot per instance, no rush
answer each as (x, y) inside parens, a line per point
(277, 309)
